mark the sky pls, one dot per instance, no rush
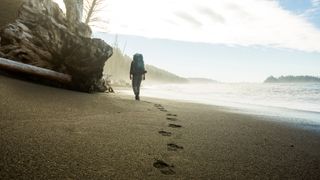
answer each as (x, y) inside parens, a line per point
(229, 40)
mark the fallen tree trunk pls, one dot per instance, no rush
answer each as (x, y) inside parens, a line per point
(9, 65)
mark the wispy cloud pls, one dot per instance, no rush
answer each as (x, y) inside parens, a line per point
(188, 18)
(229, 22)
(315, 6)
(210, 13)
(315, 3)
(312, 13)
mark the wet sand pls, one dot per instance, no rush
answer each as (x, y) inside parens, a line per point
(49, 133)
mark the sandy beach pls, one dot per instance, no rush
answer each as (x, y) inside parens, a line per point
(50, 133)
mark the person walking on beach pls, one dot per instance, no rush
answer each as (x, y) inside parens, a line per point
(137, 74)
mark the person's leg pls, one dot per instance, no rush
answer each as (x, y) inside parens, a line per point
(139, 79)
(135, 82)
(133, 85)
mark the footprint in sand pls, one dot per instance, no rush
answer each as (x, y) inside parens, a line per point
(169, 114)
(172, 119)
(175, 126)
(163, 109)
(164, 167)
(158, 105)
(165, 133)
(173, 147)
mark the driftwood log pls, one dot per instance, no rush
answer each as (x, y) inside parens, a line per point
(35, 71)
(42, 36)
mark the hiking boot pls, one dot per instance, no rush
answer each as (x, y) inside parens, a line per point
(137, 98)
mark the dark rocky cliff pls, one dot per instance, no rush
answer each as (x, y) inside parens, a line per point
(42, 36)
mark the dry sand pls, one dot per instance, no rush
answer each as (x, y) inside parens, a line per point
(49, 133)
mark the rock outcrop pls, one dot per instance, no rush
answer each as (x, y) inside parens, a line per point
(293, 79)
(42, 36)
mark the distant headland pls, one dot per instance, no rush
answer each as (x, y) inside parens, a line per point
(292, 79)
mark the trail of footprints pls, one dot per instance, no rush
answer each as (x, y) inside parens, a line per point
(159, 164)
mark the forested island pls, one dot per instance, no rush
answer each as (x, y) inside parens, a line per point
(292, 79)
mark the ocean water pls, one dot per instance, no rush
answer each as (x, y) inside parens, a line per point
(295, 101)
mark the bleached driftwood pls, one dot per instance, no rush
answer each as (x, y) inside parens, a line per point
(10, 65)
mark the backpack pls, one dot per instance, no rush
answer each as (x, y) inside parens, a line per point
(138, 63)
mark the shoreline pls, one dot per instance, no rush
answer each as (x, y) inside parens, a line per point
(243, 95)
(297, 117)
(54, 133)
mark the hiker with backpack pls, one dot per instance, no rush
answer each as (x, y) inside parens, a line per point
(137, 74)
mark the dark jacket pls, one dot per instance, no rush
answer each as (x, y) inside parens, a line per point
(134, 71)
